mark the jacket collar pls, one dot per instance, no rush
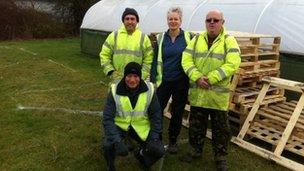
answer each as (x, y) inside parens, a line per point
(222, 34)
(123, 29)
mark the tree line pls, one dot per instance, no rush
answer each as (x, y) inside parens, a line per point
(17, 22)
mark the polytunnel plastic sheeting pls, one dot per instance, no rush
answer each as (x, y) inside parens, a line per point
(285, 18)
(156, 17)
(276, 17)
(239, 15)
(100, 16)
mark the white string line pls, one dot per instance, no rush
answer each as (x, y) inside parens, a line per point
(5, 47)
(66, 88)
(62, 65)
(30, 52)
(6, 66)
(85, 112)
(22, 49)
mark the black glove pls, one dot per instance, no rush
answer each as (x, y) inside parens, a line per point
(120, 149)
(155, 148)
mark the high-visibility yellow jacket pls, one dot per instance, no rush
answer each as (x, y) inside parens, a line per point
(160, 39)
(218, 63)
(138, 117)
(120, 48)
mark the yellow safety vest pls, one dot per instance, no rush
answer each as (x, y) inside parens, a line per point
(120, 48)
(218, 64)
(138, 117)
(160, 38)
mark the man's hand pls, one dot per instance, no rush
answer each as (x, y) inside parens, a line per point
(203, 82)
(121, 149)
(155, 148)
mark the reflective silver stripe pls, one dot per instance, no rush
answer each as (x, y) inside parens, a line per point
(146, 67)
(105, 64)
(222, 73)
(128, 52)
(106, 44)
(190, 70)
(214, 88)
(211, 55)
(201, 54)
(220, 89)
(149, 96)
(149, 48)
(189, 51)
(133, 113)
(159, 38)
(225, 46)
(193, 85)
(233, 50)
(217, 55)
(117, 101)
(115, 40)
(194, 46)
(142, 38)
(108, 67)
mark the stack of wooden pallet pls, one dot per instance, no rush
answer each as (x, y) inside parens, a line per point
(260, 58)
(280, 124)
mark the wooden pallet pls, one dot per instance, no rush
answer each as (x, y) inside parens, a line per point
(259, 57)
(244, 108)
(253, 79)
(272, 130)
(249, 94)
(259, 66)
(272, 136)
(256, 47)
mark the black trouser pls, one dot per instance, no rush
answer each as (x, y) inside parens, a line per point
(179, 91)
(220, 130)
(109, 150)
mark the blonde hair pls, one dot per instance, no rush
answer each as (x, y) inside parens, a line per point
(178, 10)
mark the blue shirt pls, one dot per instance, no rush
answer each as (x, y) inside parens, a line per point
(172, 56)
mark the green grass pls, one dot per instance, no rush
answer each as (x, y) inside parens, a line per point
(54, 74)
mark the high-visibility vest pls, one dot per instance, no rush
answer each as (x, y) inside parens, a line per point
(138, 117)
(218, 64)
(120, 48)
(160, 39)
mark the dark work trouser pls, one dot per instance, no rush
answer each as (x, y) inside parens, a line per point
(220, 130)
(179, 91)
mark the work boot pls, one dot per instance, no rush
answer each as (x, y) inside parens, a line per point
(172, 148)
(190, 156)
(221, 165)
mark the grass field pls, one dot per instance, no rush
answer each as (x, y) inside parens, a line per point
(51, 97)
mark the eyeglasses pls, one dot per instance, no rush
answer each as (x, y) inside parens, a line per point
(130, 18)
(213, 20)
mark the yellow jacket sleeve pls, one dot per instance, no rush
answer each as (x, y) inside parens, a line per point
(106, 54)
(147, 57)
(188, 63)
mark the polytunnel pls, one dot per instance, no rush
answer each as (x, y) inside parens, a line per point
(275, 17)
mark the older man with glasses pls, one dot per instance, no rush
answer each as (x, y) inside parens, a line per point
(210, 60)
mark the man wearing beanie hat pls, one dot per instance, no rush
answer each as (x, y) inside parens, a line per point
(128, 44)
(132, 110)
